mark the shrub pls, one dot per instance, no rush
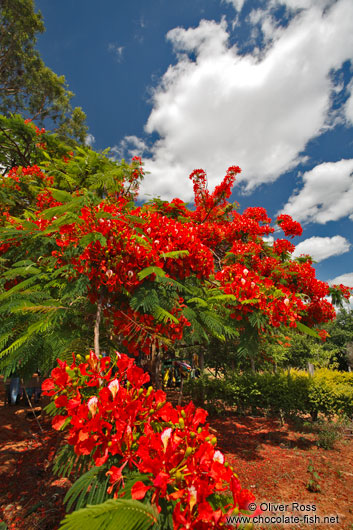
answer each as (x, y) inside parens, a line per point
(331, 392)
(287, 392)
(328, 434)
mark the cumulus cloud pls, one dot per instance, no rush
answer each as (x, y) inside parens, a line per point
(238, 4)
(320, 248)
(303, 4)
(349, 105)
(130, 146)
(90, 139)
(327, 194)
(215, 107)
(345, 279)
(117, 51)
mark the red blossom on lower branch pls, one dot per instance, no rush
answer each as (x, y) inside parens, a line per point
(127, 426)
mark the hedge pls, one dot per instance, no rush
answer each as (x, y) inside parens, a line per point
(287, 392)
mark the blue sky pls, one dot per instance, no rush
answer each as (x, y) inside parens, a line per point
(212, 83)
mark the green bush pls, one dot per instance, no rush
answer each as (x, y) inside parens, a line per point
(328, 434)
(287, 392)
(331, 392)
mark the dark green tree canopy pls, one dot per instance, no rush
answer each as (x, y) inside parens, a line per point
(27, 85)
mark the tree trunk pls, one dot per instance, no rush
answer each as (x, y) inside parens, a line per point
(311, 369)
(180, 398)
(201, 361)
(96, 326)
(156, 365)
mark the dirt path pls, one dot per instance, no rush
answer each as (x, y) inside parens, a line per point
(271, 460)
(30, 496)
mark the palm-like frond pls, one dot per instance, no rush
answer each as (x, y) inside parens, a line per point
(126, 514)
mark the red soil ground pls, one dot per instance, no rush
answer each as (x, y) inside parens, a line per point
(271, 460)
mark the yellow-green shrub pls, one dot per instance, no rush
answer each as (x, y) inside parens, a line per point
(328, 392)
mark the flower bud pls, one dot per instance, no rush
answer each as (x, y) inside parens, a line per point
(93, 405)
(114, 387)
(179, 476)
(166, 434)
(218, 457)
(188, 451)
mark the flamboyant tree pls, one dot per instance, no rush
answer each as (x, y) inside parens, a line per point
(152, 274)
(83, 265)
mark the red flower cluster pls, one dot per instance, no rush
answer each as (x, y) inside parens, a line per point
(289, 227)
(207, 204)
(19, 176)
(126, 426)
(214, 239)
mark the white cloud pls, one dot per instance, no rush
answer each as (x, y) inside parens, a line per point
(327, 194)
(90, 139)
(320, 248)
(345, 279)
(116, 50)
(238, 4)
(304, 4)
(130, 146)
(349, 105)
(215, 108)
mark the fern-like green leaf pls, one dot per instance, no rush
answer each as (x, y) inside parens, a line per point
(126, 514)
(305, 329)
(93, 237)
(175, 254)
(61, 195)
(141, 241)
(150, 270)
(164, 316)
(18, 287)
(90, 488)
(199, 301)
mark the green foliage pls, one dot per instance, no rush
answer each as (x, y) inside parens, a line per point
(112, 514)
(150, 270)
(313, 483)
(328, 433)
(328, 392)
(27, 85)
(89, 488)
(66, 462)
(46, 313)
(331, 392)
(305, 329)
